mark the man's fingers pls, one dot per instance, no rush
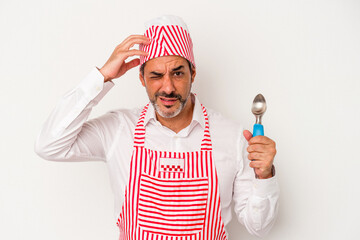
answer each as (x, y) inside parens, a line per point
(116, 66)
(247, 134)
(261, 140)
(132, 37)
(133, 63)
(255, 164)
(260, 165)
(256, 156)
(136, 41)
(132, 40)
(261, 148)
(261, 153)
(134, 52)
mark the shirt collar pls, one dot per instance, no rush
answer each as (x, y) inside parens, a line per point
(198, 116)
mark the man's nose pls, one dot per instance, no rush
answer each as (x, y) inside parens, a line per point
(168, 84)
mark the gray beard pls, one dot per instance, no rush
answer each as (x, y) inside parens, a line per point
(170, 114)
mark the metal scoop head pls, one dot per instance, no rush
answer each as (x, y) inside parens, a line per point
(258, 107)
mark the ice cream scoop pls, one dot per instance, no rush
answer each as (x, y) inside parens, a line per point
(258, 109)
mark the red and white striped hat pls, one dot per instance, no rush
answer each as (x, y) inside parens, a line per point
(168, 36)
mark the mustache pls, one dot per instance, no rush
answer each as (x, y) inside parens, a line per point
(171, 95)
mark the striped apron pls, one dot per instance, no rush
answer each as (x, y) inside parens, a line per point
(171, 195)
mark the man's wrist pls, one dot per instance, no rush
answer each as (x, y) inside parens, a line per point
(270, 175)
(102, 73)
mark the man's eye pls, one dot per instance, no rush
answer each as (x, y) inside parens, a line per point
(178, 73)
(155, 77)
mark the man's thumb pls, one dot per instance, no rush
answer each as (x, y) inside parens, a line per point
(247, 134)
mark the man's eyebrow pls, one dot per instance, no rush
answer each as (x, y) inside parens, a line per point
(177, 68)
(156, 73)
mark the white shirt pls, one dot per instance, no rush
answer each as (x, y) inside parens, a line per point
(68, 136)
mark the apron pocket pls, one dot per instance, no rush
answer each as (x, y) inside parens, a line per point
(172, 207)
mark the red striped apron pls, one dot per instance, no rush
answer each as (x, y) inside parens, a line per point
(171, 195)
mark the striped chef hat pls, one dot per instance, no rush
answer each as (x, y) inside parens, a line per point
(168, 36)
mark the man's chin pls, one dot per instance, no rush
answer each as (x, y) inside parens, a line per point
(167, 111)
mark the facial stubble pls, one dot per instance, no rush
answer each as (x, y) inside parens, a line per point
(171, 95)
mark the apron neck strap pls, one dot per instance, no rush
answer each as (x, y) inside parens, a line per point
(206, 141)
(139, 135)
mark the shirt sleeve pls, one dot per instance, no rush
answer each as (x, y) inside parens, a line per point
(65, 135)
(255, 200)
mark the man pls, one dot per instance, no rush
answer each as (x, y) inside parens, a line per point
(175, 166)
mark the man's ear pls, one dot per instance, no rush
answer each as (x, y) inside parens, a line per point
(193, 74)
(141, 77)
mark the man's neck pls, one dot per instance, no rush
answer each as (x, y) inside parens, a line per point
(182, 120)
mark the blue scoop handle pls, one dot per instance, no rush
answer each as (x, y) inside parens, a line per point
(258, 130)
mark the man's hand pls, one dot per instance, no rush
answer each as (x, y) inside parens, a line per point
(116, 66)
(262, 151)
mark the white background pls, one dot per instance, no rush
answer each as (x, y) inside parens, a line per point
(304, 56)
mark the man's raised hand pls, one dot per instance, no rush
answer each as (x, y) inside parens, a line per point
(261, 151)
(116, 66)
